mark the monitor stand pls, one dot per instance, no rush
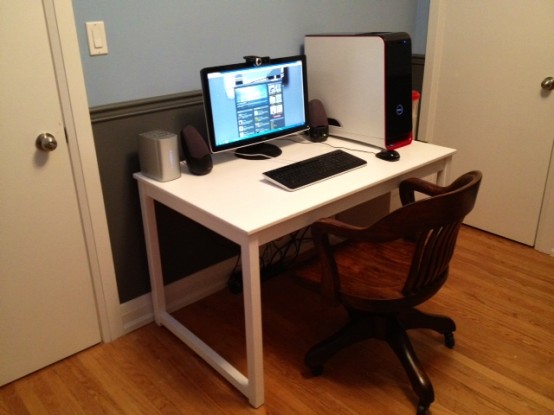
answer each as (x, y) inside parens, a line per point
(261, 151)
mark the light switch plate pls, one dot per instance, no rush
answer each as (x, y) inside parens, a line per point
(97, 42)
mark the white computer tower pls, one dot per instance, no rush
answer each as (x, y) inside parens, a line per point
(364, 82)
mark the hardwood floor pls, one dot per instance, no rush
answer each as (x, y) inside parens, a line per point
(501, 295)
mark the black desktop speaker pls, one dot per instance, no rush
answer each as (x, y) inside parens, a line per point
(319, 125)
(196, 151)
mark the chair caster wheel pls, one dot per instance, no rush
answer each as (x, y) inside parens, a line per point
(316, 370)
(449, 340)
(422, 409)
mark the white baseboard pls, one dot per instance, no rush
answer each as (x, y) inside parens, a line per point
(138, 312)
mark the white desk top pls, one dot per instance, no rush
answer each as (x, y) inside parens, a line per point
(236, 196)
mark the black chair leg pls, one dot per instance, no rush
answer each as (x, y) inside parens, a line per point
(355, 330)
(415, 319)
(421, 384)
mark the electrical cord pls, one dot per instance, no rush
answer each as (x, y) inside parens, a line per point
(274, 258)
(323, 143)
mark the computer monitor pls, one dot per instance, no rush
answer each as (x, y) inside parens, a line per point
(250, 103)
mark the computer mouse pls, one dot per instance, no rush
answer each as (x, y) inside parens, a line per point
(388, 155)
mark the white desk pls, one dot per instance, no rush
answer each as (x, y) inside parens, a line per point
(235, 201)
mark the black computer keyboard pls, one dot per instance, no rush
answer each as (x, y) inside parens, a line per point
(306, 172)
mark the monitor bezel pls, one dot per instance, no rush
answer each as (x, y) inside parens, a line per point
(270, 136)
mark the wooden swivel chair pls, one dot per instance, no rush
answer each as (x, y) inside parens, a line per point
(381, 272)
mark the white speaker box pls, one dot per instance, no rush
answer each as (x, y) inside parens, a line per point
(159, 155)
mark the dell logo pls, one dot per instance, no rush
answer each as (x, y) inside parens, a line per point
(399, 109)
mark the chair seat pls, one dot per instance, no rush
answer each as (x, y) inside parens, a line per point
(368, 271)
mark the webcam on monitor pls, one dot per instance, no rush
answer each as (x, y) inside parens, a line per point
(257, 60)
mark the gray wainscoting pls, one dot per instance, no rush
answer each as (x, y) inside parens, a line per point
(186, 246)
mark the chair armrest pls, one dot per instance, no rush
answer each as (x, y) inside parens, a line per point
(321, 229)
(379, 232)
(335, 227)
(408, 188)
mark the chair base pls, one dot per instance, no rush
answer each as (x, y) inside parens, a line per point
(392, 329)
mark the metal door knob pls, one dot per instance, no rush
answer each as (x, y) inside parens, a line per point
(548, 83)
(46, 142)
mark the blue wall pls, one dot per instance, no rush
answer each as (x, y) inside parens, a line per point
(157, 47)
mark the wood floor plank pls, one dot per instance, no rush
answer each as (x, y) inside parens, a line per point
(500, 293)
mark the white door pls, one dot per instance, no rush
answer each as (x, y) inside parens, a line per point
(47, 305)
(485, 62)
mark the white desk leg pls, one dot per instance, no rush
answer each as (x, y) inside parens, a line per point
(253, 321)
(153, 253)
(443, 175)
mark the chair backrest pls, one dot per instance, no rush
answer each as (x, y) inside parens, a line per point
(433, 224)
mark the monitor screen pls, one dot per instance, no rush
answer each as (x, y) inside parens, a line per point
(247, 105)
